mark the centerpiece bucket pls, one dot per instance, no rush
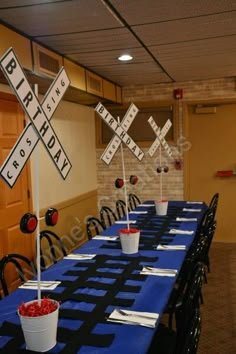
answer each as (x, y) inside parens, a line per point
(161, 207)
(129, 239)
(39, 326)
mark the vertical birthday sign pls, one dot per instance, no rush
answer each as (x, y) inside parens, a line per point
(39, 128)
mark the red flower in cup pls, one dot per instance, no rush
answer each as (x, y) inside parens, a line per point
(36, 309)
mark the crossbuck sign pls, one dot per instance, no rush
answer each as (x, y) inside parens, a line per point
(120, 129)
(160, 139)
(39, 115)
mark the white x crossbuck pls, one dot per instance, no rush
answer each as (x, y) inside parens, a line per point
(120, 129)
(160, 139)
(40, 127)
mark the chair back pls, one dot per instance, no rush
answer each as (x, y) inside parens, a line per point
(187, 315)
(54, 251)
(191, 297)
(107, 215)
(25, 269)
(121, 208)
(214, 203)
(133, 201)
(190, 344)
(94, 227)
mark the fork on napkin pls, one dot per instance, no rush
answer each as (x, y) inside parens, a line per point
(44, 284)
(137, 212)
(186, 219)
(78, 256)
(146, 205)
(107, 238)
(192, 210)
(125, 222)
(181, 232)
(138, 318)
(190, 202)
(171, 247)
(163, 272)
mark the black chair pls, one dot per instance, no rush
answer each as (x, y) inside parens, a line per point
(190, 345)
(214, 203)
(206, 231)
(121, 208)
(25, 269)
(194, 256)
(190, 309)
(209, 236)
(55, 250)
(94, 227)
(188, 323)
(166, 340)
(107, 216)
(133, 201)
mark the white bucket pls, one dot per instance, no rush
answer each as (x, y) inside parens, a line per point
(129, 239)
(40, 332)
(161, 207)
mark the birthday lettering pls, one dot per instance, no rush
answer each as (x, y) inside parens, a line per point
(36, 112)
(11, 66)
(120, 132)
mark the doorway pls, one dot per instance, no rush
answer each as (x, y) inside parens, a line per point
(15, 201)
(212, 137)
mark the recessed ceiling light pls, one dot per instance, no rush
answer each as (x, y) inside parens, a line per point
(125, 57)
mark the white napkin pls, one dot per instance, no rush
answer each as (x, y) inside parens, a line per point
(186, 219)
(159, 272)
(145, 205)
(138, 212)
(181, 232)
(125, 222)
(107, 238)
(171, 247)
(147, 319)
(193, 210)
(44, 285)
(78, 256)
(194, 202)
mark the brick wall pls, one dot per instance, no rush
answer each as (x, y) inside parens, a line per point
(148, 186)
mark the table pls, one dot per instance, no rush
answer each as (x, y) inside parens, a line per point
(91, 289)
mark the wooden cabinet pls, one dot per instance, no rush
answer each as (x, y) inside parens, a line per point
(20, 44)
(76, 74)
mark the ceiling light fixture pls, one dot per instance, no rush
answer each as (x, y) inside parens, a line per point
(125, 57)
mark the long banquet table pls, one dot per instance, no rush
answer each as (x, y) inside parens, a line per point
(91, 289)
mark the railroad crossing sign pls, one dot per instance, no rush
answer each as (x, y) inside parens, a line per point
(115, 142)
(160, 139)
(120, 129)
(39, 114)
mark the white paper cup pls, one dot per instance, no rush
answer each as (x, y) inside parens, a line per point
(129, 239)
(40, 333)
(161, 207)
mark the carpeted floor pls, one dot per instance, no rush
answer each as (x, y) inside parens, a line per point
(219, 309)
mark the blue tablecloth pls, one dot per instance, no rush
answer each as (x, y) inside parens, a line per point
(91, 289)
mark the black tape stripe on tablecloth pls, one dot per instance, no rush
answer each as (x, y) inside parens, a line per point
(75, 339)
(100, 286)
(63, 335)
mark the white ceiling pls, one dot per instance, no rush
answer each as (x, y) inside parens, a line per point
(170, 40)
